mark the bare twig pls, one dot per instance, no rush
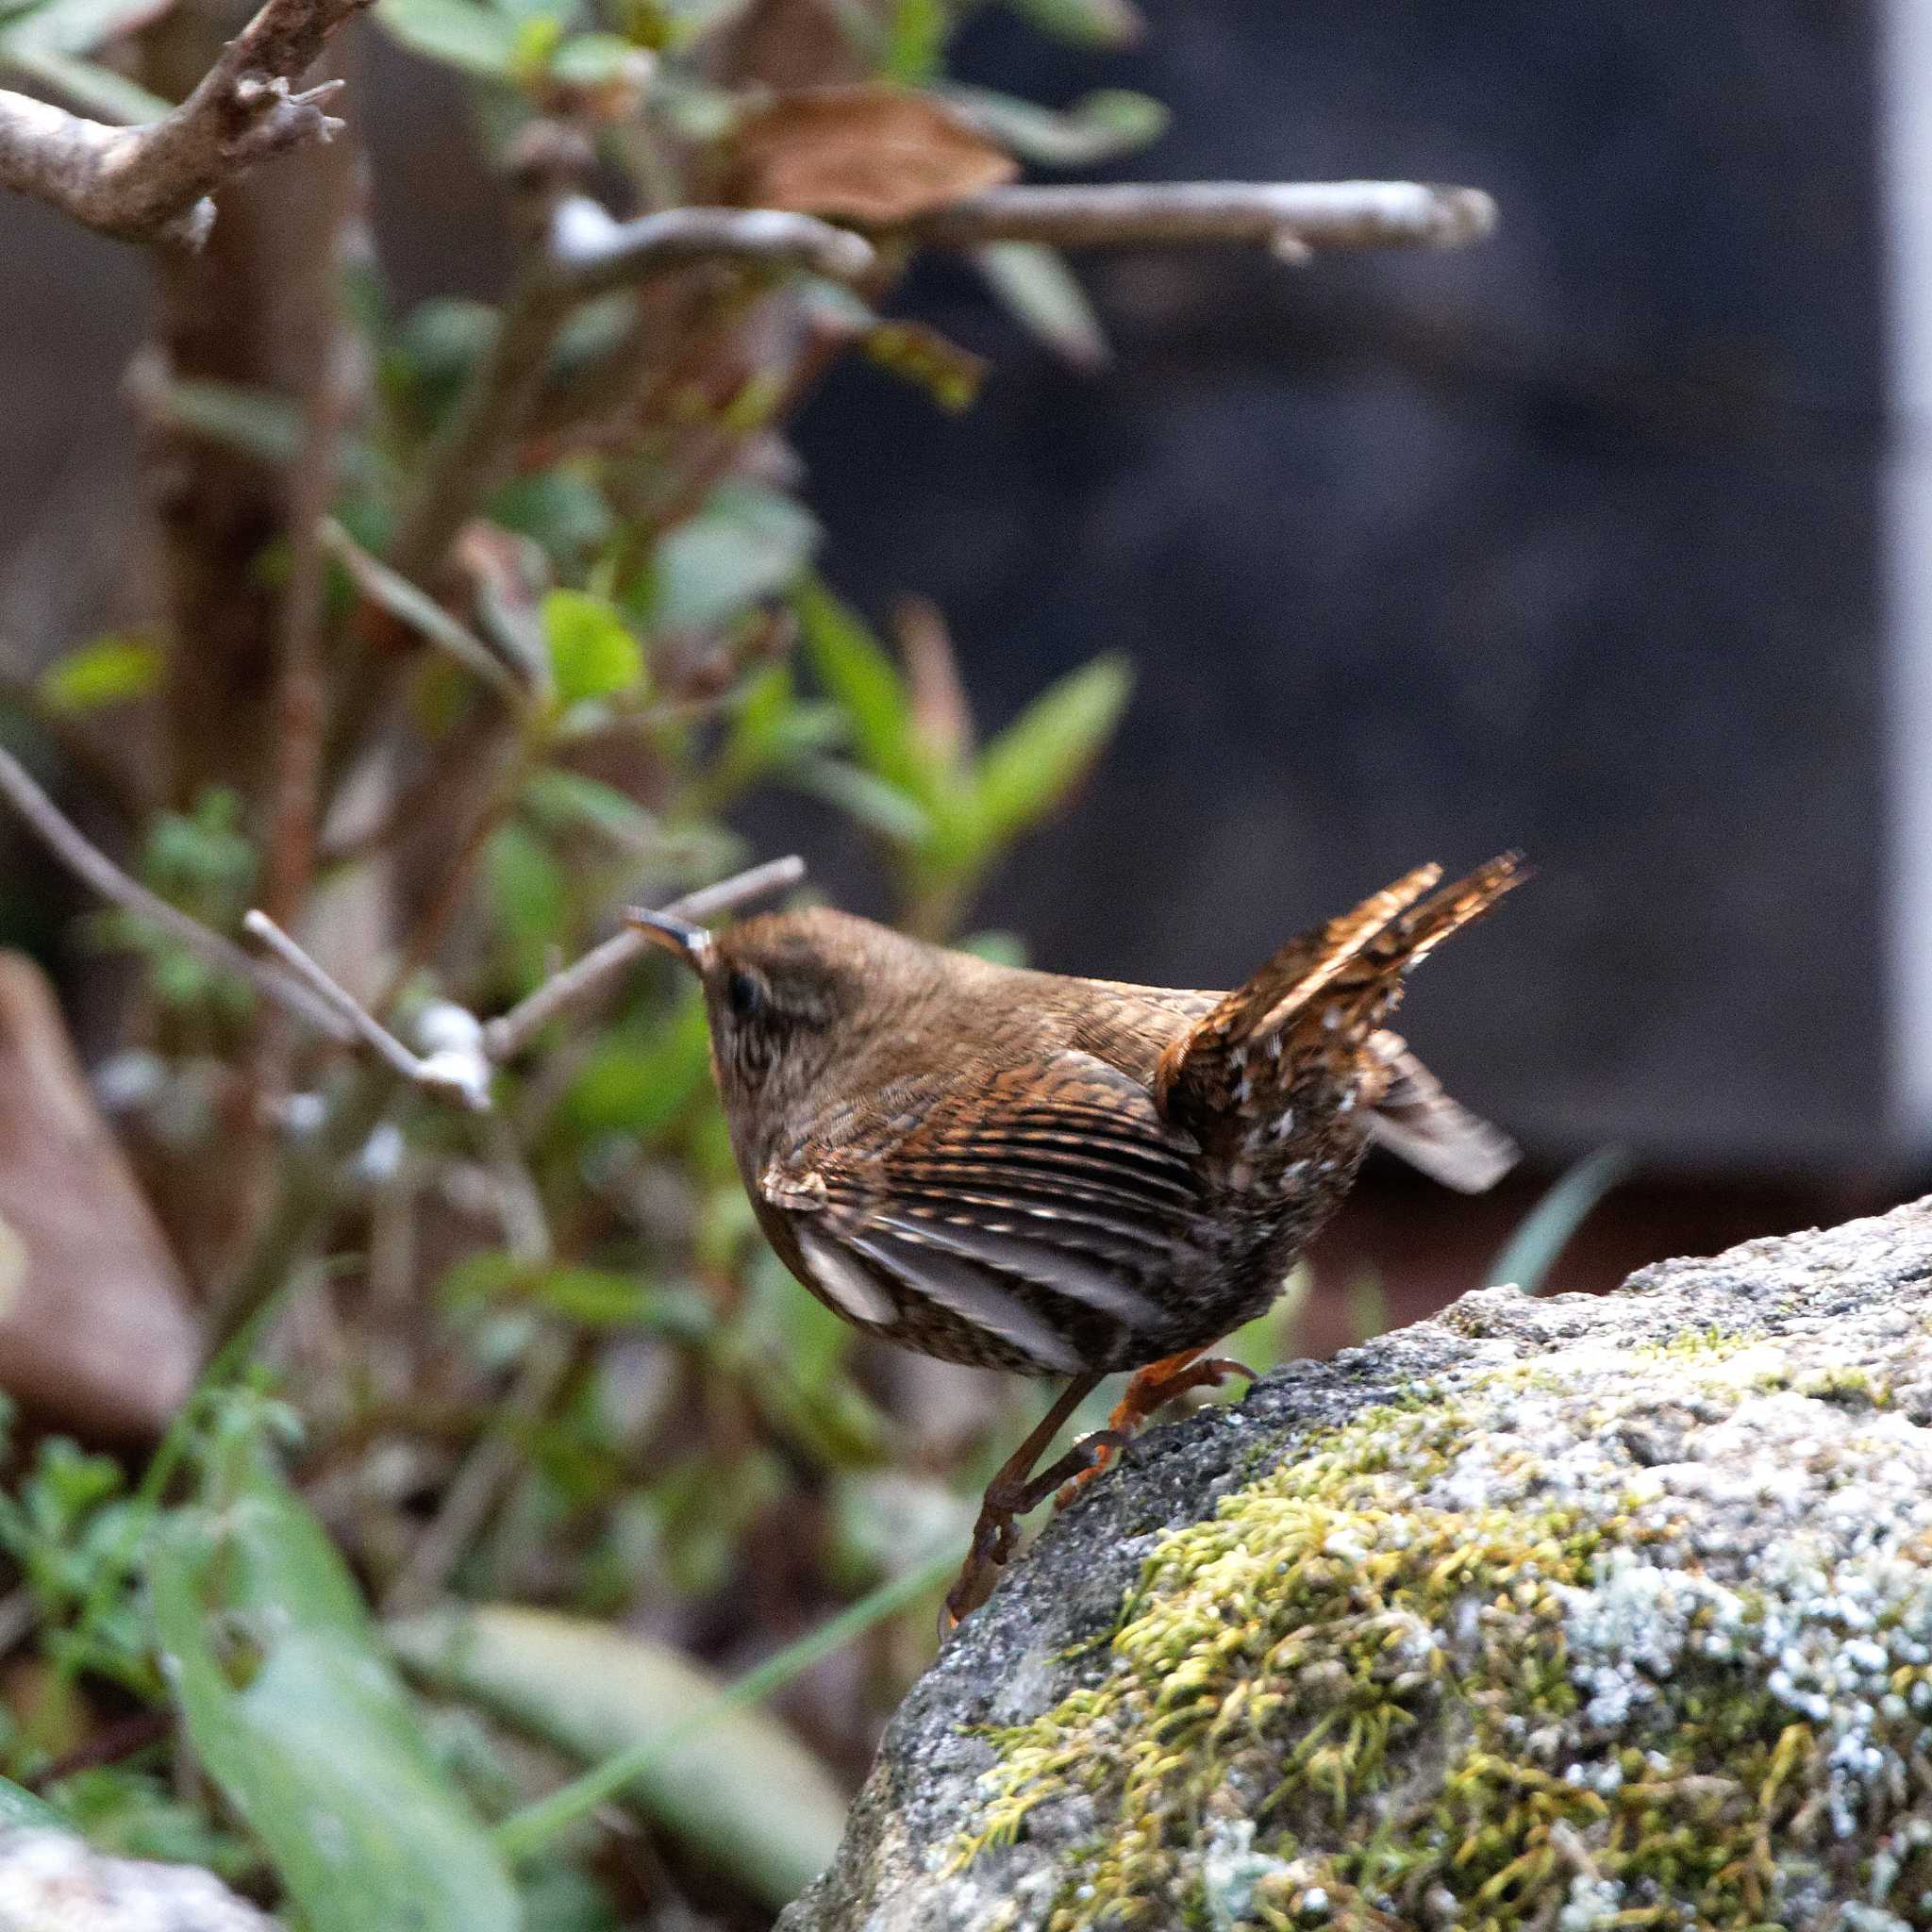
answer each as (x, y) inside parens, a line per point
(416, 608)
(1293, 218)
(506, 1037)
(309, 1191)
(70, 845)
(153, 183)
(447, 1071)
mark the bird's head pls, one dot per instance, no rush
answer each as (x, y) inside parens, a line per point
(788, 993)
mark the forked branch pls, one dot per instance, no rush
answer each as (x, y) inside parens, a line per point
(153, 183)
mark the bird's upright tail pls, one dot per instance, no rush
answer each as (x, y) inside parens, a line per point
(1319, 1003)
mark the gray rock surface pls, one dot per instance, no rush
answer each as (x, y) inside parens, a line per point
(50, 1882)
(1564, 1613)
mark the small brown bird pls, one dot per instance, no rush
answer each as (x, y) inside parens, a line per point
(1065, 1176)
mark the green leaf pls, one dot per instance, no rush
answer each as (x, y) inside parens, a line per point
(915, 38)
(592, 652)
(20, 1810)
(74, 27)
(91, 87)
(298, 1719)
(258, 424)
(741, 1790)
(480, 39)
(1040, 758)
(113, 670)
(868, 800)
(565, 800)
(531, 901)
(593, 59)
(1099, 127)
(747, 544)
(853, 667)
(561, 510)
(1085, 23)
(592, 1297)
(1041, 292)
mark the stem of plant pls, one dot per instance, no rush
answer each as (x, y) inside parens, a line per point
(525, 1832)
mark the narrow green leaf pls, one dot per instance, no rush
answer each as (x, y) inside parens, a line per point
(915, 39)
(1032, 765)
(857, 673)
(596, 1692)
(1099, 127)
(592, 652)
(480, 39)
(1085, 23)
(867, 799)
(91, 87)
(113, 670)
(1545, 1232)
(312, 1739)
(1044, 296)
(527, 1830)
(73, 26)
(20, 1810)
(565, 800)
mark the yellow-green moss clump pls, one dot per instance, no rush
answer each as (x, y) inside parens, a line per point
(1634, 1639)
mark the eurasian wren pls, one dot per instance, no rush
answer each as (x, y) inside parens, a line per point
(1065, 1176)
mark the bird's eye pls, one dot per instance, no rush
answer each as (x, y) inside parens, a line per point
(745, 995)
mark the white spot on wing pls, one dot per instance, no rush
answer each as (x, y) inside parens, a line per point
(848, 1286)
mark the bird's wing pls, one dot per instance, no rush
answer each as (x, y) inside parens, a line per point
(1037, 1204)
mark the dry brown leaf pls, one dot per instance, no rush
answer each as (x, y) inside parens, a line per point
(95, 1333)
(869, 154)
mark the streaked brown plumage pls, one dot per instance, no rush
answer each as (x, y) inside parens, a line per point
(1067, 1177)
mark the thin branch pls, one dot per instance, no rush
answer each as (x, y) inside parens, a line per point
(416, 608)
(310, 1192)
(70, 845)
(153, 183)
(362, 1022)
(1293, 218)
(506, 1037)
(588, 260)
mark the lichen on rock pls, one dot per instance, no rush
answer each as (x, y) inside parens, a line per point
(1562, 1614)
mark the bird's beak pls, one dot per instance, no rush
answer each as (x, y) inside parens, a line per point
(691, 943)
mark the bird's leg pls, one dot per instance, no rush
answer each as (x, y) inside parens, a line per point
(1015, 1489)
(1148, 1391)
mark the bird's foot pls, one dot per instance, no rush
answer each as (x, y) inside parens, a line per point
(1148, 1391)
(1009, 1496)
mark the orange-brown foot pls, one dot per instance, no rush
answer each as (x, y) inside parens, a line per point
(1148, 1391)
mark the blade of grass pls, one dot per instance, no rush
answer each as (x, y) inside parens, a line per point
(528, 1831)
(1527, 1257)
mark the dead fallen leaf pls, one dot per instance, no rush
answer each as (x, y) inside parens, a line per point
(95, 1332)
(869, 153)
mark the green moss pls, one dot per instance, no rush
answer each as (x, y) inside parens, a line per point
(1352, 1699)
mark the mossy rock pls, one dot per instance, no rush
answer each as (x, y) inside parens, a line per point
(1571, 1614)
